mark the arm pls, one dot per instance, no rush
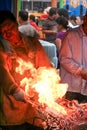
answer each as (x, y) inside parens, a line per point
(6, 80)
(66, 57)
(9, 86)
(49, 32)
(46, 28)
(58, 44)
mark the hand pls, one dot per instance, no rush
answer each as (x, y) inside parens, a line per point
(33, 94)
(84, 74)
(20, 95)
(40, 123)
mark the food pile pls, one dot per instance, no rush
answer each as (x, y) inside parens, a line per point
(76, 114)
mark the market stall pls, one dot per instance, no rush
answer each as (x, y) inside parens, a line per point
(56, 112)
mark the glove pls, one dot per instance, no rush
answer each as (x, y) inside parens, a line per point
(84, 73)
(20, 95)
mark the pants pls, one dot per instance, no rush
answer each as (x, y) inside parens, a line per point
(25, 126)
(76, 96)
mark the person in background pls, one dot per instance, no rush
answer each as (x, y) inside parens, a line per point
(39, 21)
(16, 113)
(49, 26)
(63, 12)
(79, 20)
(62, 25)
(73, 62)
(33, 23)
(40, 9)
(72, 21)
(24, 25)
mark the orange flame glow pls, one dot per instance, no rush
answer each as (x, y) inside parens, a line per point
(46, 82)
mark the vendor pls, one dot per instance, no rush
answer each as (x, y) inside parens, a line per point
(15, 112)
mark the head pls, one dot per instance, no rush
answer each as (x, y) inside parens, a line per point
(63, 12)
(40, 10)
(32, 18)
(53, 13)
(62, 23)
(22, 16)
(79, 20)
(72, 19)
(8, 26)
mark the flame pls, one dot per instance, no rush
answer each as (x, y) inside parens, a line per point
(46, 82)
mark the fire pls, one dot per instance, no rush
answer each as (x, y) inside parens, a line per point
(46, 82)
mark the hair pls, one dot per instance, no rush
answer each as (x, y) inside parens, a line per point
(81, 17)
(63, 12)
(62, 21)
(32, 17)
(5, 15)
(72, 17)
(23, 15)
(52, 11)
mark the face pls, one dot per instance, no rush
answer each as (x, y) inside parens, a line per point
(54, 16)
(9, 31)
(60, 27)
(79, 21)
(20, 20)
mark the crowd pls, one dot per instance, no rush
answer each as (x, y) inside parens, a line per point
(64, 31)
(47, 26)
(20, 39)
